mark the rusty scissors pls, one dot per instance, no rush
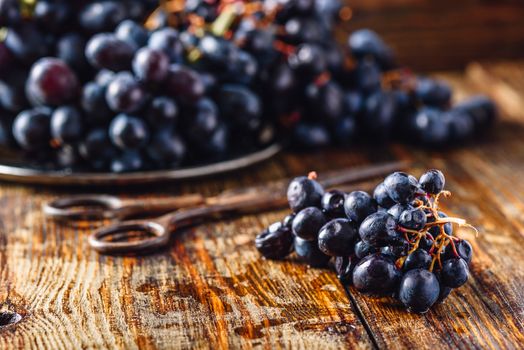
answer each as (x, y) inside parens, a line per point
(126, 236)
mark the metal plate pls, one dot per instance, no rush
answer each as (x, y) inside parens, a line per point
(21, 174)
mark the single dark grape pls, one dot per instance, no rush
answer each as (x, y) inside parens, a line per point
(167, 149)
(276, 242)
(401, 187)
(242, 67)
(97, 149)
(382, 198)
(337, 237)
(444, 293)
(311, 135)
(454, 272)
(150, 65)
(413, 219)
(398, 209)
(430, 127)
(344, 266)
(481, 110)
(241, 106)
(163, 111)
(184, 84)
(359, 205)
(377, 275)
(435, 230)
(71, 49)
(94, 104)
(205, 120)
(288, 220)
(308, 223)
(362, 249)
(332, 203)
(368, 76)
(308, 252)
(26, 43)
(9, 12)
(419, 259)
(419, 290)
(366, 43)
(51, 82)
(308, 60)
(396, 251)
(125, 93)
(379, 230)
(133, 33)
(433, 92)
(101, 16)
(127, 162)
(67, 124)
(52, 15)
(31, 128)
(345, 130)
(464, 250)
(168, 41)
(105, 50)
(325, 100)
(432, 181)
(303, 192)
(128, 132)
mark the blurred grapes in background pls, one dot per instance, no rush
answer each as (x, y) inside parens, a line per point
(134, 85)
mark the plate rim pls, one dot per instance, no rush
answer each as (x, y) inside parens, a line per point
(19, 174)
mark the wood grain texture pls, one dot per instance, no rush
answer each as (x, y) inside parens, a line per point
(211, 289)
(445, 34)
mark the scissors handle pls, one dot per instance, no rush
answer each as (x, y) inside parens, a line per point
(139, 236)
(99, 207)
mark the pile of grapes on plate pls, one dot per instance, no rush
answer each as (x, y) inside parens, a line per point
(127, 85)
(394, 243)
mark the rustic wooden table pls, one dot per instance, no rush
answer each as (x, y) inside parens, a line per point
(211, 289)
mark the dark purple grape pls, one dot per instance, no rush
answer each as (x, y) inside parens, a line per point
(344, 266)
(368, 76)
(481, 110)
(303, 192)
(242, 67)
(308, 252)
(345, 130)
(419, 259)
(163, 111)
(31, 128)
(67, 124)
(311, 135)
(9, 12)
(167, 149)
(276, 242)
(240, 105)
(366, 43)
(398, 209)
(127, 162)
(430, 127)
(128, 132)
(12, 91)
(432, 181)
(362, 249)
(359, 205)
(377, 275)
(308, 60)
(444, 293)
(325, 100)
(396, 251)
(382, 198)
(52, 15)
(401, 187)
(97, 149)
(150, 65)
(184, 84)
(308, 223)
(125, 93)
(464, 251)
(288, 220)
(71, 49)
(432, 92)
(380, 112)
(379, 230)
(26, 43)
(102, 16)
(94, 104)
(435, 230)
(133, 33)
(413, 219)
(168, 41)
(419, 290)
(51, 82)
(332, 204)
(338, 237)
(454, 272)
(105, 50)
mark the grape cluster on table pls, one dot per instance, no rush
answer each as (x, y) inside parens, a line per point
(87, 85)
(395, 242)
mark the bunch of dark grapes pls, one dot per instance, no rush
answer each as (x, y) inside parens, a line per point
(395, 242)
(127, 85)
